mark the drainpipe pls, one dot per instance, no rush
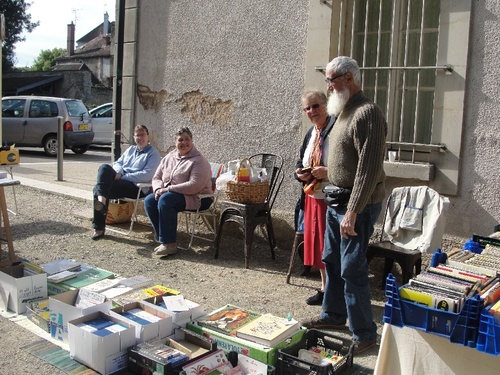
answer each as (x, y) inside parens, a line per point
(118, 63)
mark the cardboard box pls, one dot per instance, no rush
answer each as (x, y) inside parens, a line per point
(105, 354)
(10, 156)
(145, 332)
(63, 309)
(143, 359)
(248, 348)
(179, 318)
(16, 289)
(38, 312)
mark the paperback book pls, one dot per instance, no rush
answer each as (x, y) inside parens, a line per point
(59, 265)
(138, 281)
(87, 277)
(105, 284)
(135, 295)
(268, 330)
(445, 281)
(61, 276)
(158, 351)
(207, 363)
(140, 316)
(113, 328)
(227, 319)
(431, 298)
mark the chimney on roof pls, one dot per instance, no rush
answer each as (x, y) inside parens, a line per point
(106, 40)
(105, 25)
(70, 45)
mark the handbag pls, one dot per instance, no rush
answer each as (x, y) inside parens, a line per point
(119, 212)
(336, 197)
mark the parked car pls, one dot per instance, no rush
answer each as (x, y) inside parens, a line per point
(31, 121)
(102, 120)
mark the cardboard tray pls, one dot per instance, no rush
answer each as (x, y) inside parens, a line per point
(190, 343)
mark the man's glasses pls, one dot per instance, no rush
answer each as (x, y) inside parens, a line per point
(314, 106)
(329, 81)
(139, 135)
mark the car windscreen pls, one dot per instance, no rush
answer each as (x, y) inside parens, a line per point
(106, 111)
(75, 108)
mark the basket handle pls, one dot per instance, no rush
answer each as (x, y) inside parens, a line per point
(245, 162)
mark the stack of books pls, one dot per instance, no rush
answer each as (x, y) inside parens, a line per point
(264, 329)
(268, 330)
(157, 352)
(140, 316)
(227, 319)
(60, 265)
(101, 327)
(86, 276)
(135, 295)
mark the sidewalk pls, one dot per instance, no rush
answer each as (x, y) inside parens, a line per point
(78, 178)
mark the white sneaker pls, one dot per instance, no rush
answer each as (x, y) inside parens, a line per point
(164, 250)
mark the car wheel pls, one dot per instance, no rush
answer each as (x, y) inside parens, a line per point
(50, 145)
(80, 149)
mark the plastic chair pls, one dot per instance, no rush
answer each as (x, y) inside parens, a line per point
(138, 199)
(249, 216)
(413, 224)
(208, 216)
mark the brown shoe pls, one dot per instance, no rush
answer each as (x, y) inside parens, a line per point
(362, 346)
(322, 324)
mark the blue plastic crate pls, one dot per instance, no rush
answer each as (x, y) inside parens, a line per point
(488, 340)
(461, 328)
(438, 258)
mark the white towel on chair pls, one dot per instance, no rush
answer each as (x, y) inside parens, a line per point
(415, 218)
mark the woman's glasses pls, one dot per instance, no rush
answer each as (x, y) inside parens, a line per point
(311, 107)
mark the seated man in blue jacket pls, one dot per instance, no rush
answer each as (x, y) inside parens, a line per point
(137, 164)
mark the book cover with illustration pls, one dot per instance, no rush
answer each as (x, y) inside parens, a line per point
(227, 319)
(268, 330)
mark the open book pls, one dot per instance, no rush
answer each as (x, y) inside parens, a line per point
(268, 330)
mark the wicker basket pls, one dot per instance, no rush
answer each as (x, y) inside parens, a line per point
(247, 192)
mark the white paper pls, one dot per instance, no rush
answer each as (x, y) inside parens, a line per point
(251, 366)
(176, 303)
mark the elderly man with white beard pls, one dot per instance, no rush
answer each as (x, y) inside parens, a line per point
(355, 163)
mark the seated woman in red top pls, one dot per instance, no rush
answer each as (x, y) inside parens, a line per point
(182, 174)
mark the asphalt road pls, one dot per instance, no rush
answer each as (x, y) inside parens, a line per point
(97, 154)
(74, 176)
